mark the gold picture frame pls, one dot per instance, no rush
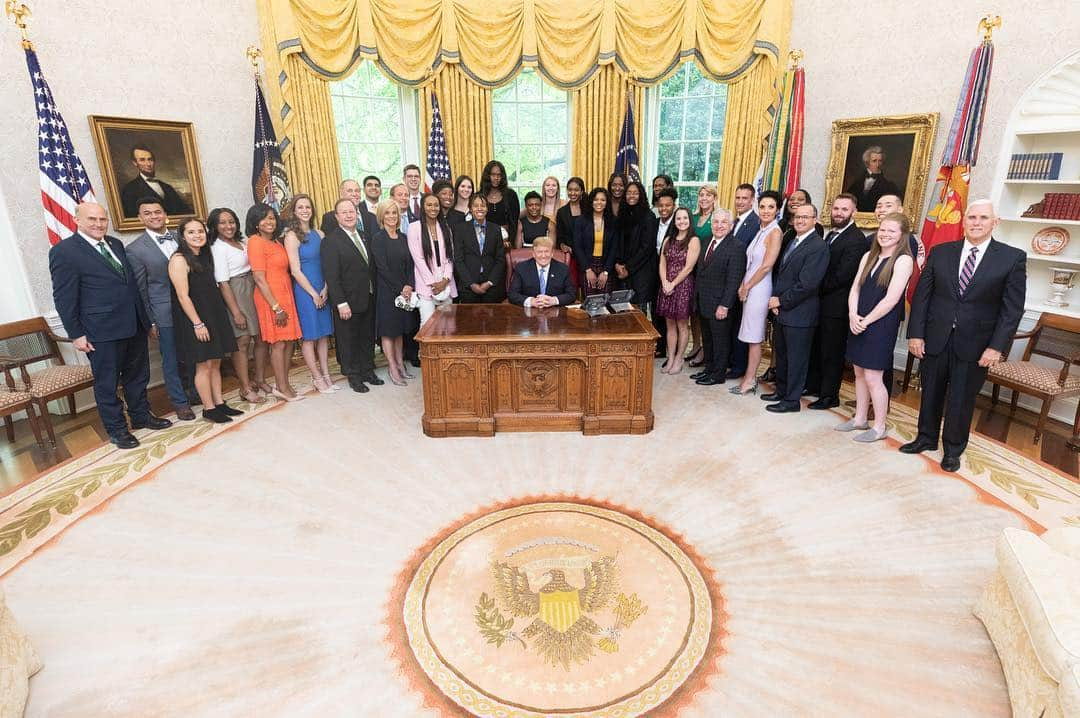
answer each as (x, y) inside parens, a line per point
(129, 148)
(904, 143)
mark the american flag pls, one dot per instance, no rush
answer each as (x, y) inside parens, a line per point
(438, 163)
(64, 184)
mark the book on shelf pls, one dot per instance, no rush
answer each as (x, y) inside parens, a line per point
(1035, 166)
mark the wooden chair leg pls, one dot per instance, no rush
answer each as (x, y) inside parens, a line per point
(909, 366)
(34, 426)
(1042, 418)
(1015, 398)
(71, 404)
(1074, 442)
(995, 394)
(10, 426)
(43, 410)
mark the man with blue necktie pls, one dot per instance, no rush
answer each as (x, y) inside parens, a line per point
(98, 301)
(479, 257)
(149, 255)
(541, 281)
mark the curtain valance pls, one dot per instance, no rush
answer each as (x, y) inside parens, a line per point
(567, 42)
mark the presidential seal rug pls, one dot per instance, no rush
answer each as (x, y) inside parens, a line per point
(324, 558)
(552, 607)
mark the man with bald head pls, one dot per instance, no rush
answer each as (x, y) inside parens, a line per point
(967, 305)
(350, 189)
(97, 298)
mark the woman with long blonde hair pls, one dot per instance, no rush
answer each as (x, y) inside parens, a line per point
(551, 197)
(875, 310)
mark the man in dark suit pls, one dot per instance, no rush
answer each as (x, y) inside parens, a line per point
(871, 184)
(720, 271)
(147, 184)
(410, 176)
(541, 281)
(479, 257)
(967, 305)
(847, 245)
(747, 224)
(796, 303)
(350, 189)
(98, 301)
(349, 270)
(149, 256)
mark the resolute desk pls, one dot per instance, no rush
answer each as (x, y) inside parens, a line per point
(500, 367)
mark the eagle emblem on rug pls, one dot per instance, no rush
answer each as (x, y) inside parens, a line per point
(563, 617)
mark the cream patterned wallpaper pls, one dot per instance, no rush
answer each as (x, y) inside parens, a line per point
(155, 59)
(892, 58)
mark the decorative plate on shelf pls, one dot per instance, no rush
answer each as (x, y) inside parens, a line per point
(1050, 240)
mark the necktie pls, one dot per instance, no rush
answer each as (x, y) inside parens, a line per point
(790, 250)
(117, 267)
(543, 280)
(359, 244)
(712, 246)
(480, 232)
(415, 209)
(832, 235)
(161, 240)
(968, 271)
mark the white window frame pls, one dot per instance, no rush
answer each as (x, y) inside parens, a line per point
(569, 137)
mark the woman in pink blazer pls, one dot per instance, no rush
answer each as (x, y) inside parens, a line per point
(433, 258)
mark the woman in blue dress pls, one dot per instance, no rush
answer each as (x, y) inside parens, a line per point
(302, 242)
(875, 310)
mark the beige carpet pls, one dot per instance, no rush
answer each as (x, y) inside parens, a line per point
(265, 571)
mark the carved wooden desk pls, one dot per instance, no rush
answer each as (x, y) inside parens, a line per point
(500, 367)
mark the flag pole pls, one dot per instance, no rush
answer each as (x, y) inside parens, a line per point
(20, 14)
(253, 55)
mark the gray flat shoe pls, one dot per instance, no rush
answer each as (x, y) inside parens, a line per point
(870, 436)
(850, 425)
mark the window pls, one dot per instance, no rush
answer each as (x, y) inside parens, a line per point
(374, 119)
(531, 127)
(689, 132)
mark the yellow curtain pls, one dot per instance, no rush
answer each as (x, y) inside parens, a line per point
(492, 41)
(598, 111)
(465, 108)
(746, 129)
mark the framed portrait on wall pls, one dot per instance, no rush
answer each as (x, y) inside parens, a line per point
(148, 158)
(875, 156)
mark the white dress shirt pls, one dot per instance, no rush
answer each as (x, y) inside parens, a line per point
(661, 232)
(168, 247)
(978, 256)
(540, 272)
(741, 219)
(154, 184)
(94, 245)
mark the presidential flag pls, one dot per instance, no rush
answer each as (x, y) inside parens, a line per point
(269, 181)
(438, 162)
(626, 157)
(64, 184)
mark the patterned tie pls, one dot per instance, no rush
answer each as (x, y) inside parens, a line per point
(119, 268)
(481, 231)
(359, 244)
(712, 247)
(543, 280)
(968, 271)
(162, 239)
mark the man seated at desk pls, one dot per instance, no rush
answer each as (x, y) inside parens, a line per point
(541, 282)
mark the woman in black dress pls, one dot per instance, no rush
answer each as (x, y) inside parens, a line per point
(636, 264)
(200, 318)
(463, 189)
(394, 273)
(566, 218)
(616, 189)
(504, 209)
(533, 223)
(875, 310)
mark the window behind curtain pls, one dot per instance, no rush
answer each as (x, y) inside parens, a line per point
(368, 111)
(530, 121)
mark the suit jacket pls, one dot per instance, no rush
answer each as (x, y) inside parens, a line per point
(90, 297)
(988, 313)
(152, 277)
(845, 252)
(564, 226)
(370, 226)
(525, 282)
(583, 243)
(348, 277)
(867, 199)
(749, 229)
(137, 188)
(637, 249)
(471, 266)
(798, 282)
(718, 279)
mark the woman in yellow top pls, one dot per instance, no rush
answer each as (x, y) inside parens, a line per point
(596, 243)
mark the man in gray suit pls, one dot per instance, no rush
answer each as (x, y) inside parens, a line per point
(149, 256)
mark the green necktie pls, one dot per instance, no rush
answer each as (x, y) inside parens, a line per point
(359, 244)
(109, 258)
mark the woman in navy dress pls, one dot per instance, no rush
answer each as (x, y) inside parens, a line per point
(678, 257)
(302, 242)
(875, 310)
(395, 275)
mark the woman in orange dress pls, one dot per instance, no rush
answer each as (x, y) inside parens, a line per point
(274, 301)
